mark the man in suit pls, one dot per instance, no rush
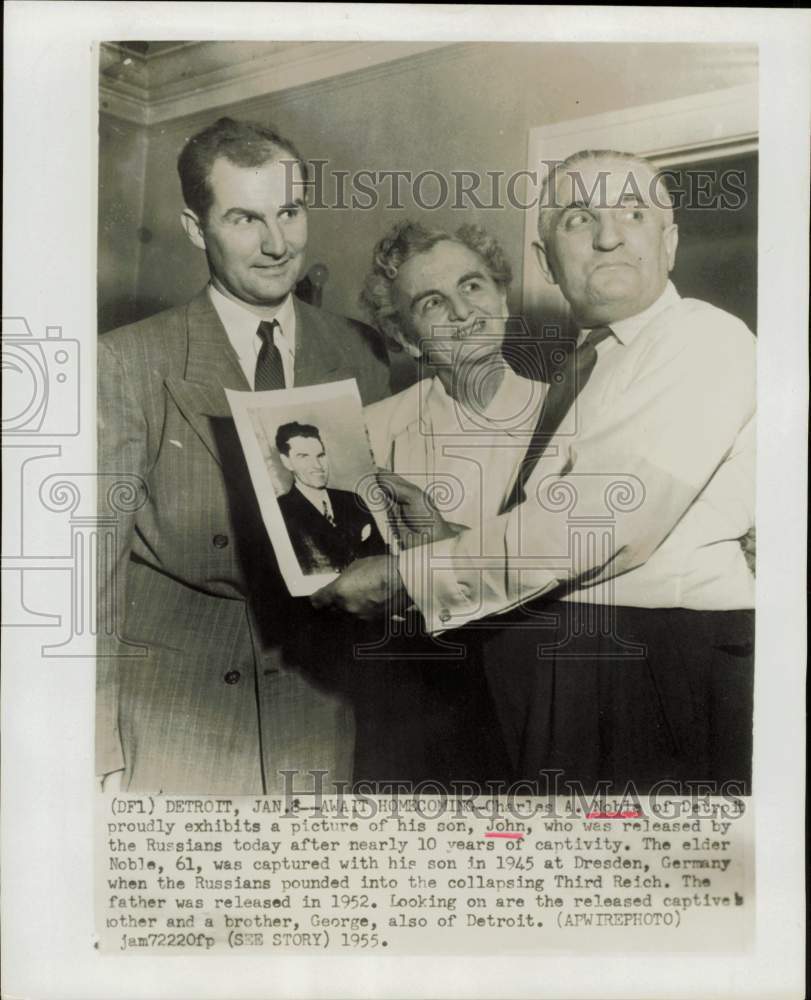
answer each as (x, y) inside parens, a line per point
(211, 683)
(328, 528)
(621, 636)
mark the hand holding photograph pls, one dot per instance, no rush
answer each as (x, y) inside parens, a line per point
(314, 476)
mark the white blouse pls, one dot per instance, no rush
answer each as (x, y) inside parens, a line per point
(467, 461)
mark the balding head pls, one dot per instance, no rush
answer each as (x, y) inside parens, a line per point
(567, 180)
(606, 234)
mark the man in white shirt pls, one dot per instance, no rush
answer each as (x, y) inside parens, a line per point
(626, 654)
(212, 681)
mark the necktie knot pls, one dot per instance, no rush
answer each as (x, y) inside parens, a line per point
(596, 336)
(266, 329)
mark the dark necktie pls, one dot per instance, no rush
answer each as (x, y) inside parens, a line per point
(269, 367)
(328, 513)
(563, 391)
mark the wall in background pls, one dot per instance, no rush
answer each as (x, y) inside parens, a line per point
(122, 176)
(466, 107)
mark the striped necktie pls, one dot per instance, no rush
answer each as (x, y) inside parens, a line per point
(328, 513)
(563, 391)
(269, 368)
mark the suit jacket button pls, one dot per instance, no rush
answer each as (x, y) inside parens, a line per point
(232, 677)
(220, 541)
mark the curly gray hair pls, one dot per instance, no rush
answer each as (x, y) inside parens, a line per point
(408, 239)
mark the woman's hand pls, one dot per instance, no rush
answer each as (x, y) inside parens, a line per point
(367, 588)
(418, 521)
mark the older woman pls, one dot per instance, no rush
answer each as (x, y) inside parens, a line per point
(458, 435)
(460, 432)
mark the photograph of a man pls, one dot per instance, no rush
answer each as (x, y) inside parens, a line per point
(328, 528)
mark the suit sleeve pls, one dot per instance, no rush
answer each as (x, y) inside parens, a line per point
(654, 452)
(122, 467)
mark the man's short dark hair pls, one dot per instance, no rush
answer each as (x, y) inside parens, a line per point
(245, 144)
(294, 430)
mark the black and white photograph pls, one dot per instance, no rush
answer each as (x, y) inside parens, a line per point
(404, 448)
(313, 477)
(550, 317)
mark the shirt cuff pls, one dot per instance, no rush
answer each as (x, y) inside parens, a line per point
(452, 588)
(432, 582)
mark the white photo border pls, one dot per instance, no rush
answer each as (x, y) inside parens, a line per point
(51, 52)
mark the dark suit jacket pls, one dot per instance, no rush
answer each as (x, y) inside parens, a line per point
(321, 546)
(208, 685)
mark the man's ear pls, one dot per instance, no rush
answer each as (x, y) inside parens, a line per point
(193, 228)
(671, 238)
(285, 461)
(539, 246)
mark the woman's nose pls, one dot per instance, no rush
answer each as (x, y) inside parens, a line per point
(460, 308)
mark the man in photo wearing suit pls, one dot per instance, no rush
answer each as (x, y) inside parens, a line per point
(328, 528)
(209, 684)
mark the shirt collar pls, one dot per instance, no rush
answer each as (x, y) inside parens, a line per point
(316, 497)
(241, 323)
(627, 330)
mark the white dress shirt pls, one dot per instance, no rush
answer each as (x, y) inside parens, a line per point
(643, 492)
(466, 460)
(318, 498)
(241, 324)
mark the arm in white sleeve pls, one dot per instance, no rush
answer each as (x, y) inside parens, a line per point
(627, 483)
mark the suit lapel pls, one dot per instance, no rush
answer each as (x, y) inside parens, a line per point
(212, 364)
(211, 367)
(318, 357)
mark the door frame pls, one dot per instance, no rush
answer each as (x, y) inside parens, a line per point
(700, 127)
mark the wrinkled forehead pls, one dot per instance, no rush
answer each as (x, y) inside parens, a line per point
(606, 183)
